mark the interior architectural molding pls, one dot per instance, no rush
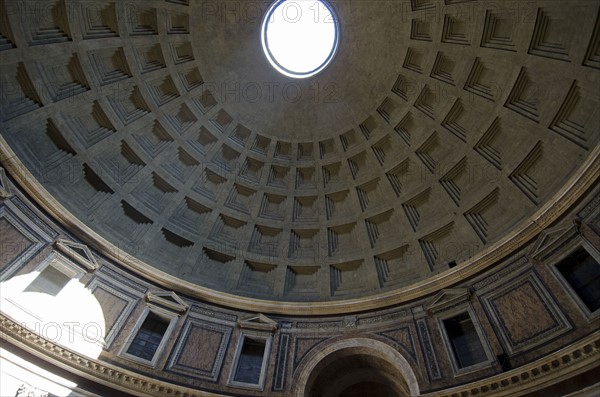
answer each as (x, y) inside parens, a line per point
(561, 365)
(387, 199)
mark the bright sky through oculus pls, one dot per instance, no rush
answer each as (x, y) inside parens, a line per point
(299, 37)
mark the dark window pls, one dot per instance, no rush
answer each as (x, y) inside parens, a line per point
(465, 342)
(582, 272)
(50, 281)
(250, 361)
(146, 342)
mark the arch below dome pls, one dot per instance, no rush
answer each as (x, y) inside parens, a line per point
(362, 361)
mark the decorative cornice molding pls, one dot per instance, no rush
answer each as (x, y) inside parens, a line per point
(95, 370)
(571, 360)
(584, 179)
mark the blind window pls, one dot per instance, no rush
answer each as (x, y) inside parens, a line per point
(250, 361)
(466, 345)
(582, 272)
(149, 336)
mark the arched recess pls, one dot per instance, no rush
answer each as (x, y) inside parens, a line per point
(349, 365)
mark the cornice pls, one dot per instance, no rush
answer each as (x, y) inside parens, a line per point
(95, 370)
(585, 178)
(563, 364)
(571, 360)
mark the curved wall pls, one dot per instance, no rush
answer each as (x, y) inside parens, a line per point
(535, 332)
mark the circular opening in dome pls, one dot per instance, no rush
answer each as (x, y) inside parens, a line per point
(300, 37)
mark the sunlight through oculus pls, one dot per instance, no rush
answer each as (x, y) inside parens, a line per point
(300, 37)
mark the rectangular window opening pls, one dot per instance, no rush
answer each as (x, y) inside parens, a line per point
(466, 345)
(50, 281)
(582, 272)
(250, 361)
(148, 338)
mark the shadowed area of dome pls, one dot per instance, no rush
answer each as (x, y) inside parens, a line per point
(162, 127)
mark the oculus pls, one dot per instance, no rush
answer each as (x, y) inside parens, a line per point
(300, 37)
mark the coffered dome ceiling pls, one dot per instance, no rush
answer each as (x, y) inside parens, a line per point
(437, 132)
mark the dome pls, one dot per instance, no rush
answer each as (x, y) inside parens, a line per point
(187, 152)
(435, 140)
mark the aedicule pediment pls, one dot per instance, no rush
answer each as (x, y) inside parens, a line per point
(447, 298)
(258, 322)
(168, 300)
(77, 252)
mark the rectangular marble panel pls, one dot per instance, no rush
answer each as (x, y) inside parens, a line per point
(200, 349)
(22, 236)
(524, 313)
(117, 302)
(13, 243)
